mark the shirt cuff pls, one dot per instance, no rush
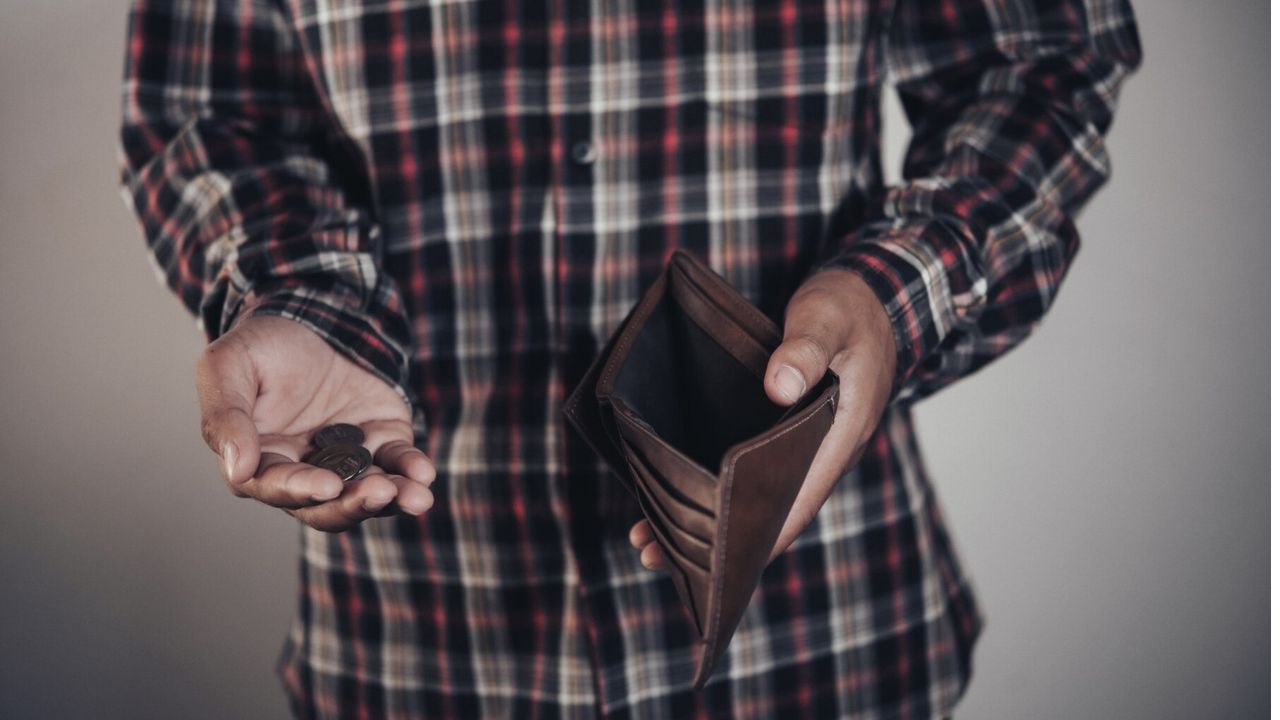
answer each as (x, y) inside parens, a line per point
(362, 334)
(919, 271)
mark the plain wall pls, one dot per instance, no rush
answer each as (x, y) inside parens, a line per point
(1107, 483)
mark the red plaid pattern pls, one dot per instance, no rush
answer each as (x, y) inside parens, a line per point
(467, 196)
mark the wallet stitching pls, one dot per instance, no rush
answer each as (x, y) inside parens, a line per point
(728, 492)
(633, 328)
(748, 313)
(748, 318)
(573, 412)
(711, 332)
(797, 420)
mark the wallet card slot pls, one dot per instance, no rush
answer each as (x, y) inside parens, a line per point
(697, 582)
(689, 543)
(664, 531)
(685, 543)
(687, 572)
(660, 460)
(695, 520)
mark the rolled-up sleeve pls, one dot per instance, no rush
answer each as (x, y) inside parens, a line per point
(1008, 102)
(250, 200)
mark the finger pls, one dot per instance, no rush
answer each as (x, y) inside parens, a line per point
(227, 387)
(651, 557)
(641, 534)
(403, 505)
(290, 446)
(283, 482)
(412, 497)
(796, 366)
(814, 331)
(400, 456)
(360, 500)
(391, 442)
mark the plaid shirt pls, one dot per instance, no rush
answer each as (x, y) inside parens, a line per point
(467, 196)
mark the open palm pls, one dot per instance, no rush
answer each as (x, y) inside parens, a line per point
(266, 386)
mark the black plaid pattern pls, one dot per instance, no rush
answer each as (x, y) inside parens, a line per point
(467, 196)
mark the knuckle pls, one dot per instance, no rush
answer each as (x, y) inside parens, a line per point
(212, 360)
(396, 450)
(808, 352)
(813, 348)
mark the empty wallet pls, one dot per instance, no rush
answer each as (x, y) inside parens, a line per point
(675, 405)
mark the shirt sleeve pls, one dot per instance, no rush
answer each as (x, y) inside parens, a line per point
(1008, 101)
(251, 201)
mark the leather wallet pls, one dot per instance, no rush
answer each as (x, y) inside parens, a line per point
(675, 405)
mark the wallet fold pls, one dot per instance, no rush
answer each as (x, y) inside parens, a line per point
(675, 406)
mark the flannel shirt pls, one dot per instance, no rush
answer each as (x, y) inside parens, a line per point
(466, 197)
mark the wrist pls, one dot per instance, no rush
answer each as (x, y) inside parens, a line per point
(370, 336)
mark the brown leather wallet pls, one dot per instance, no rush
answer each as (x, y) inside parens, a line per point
(675, 405)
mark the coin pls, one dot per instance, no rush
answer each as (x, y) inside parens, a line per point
(340, 434)
(345, 460)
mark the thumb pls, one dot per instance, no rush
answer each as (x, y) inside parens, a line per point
(795, 367)
(227, 386)
(813, 333)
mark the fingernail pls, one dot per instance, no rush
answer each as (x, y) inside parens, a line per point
(229, 456)
(790, 383)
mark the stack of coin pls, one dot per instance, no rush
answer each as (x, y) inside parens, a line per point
(337, 448)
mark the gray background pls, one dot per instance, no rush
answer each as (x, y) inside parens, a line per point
(1107, 483)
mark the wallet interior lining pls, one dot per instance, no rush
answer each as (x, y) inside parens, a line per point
(690, 389)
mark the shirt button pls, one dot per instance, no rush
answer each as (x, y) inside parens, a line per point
(583, 152)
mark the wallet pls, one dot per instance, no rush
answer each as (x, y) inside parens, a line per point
(675, 406)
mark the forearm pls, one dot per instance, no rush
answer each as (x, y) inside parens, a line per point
(228, 160)
(969, 252)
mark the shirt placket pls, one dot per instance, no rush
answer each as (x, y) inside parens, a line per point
(577, 158)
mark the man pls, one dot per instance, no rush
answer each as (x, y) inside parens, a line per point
(425, 217)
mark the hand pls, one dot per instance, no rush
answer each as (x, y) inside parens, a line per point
(834, 320)
(265, 386)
